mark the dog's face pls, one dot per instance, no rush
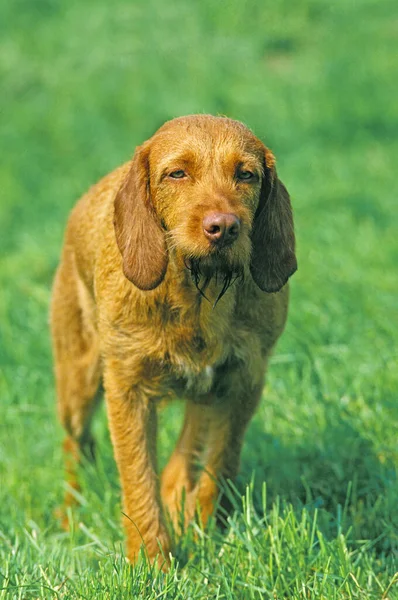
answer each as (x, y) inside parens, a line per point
(205, 188)
(206, 179)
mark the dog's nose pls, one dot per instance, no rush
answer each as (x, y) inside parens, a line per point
(221, 228)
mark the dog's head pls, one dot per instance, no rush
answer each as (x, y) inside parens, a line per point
(206, 189)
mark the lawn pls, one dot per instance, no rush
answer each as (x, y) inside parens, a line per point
(316, 502)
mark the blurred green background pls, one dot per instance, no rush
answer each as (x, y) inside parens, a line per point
(82, 83)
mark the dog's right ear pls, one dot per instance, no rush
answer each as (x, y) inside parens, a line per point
(139, 234)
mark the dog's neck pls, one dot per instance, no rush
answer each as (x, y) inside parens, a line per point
(200, 320)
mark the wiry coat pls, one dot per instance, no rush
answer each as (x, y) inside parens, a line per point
(137, 304)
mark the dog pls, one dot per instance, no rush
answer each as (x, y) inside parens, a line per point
(173, 283)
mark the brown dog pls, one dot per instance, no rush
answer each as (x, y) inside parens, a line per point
(172, 283)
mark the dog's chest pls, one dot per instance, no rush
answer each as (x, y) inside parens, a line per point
(193, 364)
(194, 354)
(193, 381)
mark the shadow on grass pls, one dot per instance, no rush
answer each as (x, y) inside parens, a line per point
(336, 471)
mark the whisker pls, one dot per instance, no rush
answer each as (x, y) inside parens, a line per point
(201, 280)
(227, 283)
(203, 288)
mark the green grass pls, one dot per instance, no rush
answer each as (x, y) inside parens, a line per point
(82, 84)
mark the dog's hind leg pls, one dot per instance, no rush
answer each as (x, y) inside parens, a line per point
(77, 365)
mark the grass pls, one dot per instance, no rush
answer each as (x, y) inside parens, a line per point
(82, 84)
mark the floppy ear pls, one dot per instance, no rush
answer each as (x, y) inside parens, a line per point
(273, 259)
(139, 234)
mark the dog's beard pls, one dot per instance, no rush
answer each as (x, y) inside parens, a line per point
(202, 274)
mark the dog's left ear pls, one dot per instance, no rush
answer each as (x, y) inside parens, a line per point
(273, 244)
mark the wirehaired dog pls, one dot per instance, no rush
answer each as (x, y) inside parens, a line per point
(172, 283)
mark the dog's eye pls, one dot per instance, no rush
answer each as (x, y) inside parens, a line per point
(245, 175)
(177, 174)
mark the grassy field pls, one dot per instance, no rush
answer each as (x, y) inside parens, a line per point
(316, 503)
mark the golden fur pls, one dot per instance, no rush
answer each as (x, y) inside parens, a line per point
(136, 304)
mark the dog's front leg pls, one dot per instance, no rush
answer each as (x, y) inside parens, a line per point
(227, 423)
(178, 478)
(132, 420)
